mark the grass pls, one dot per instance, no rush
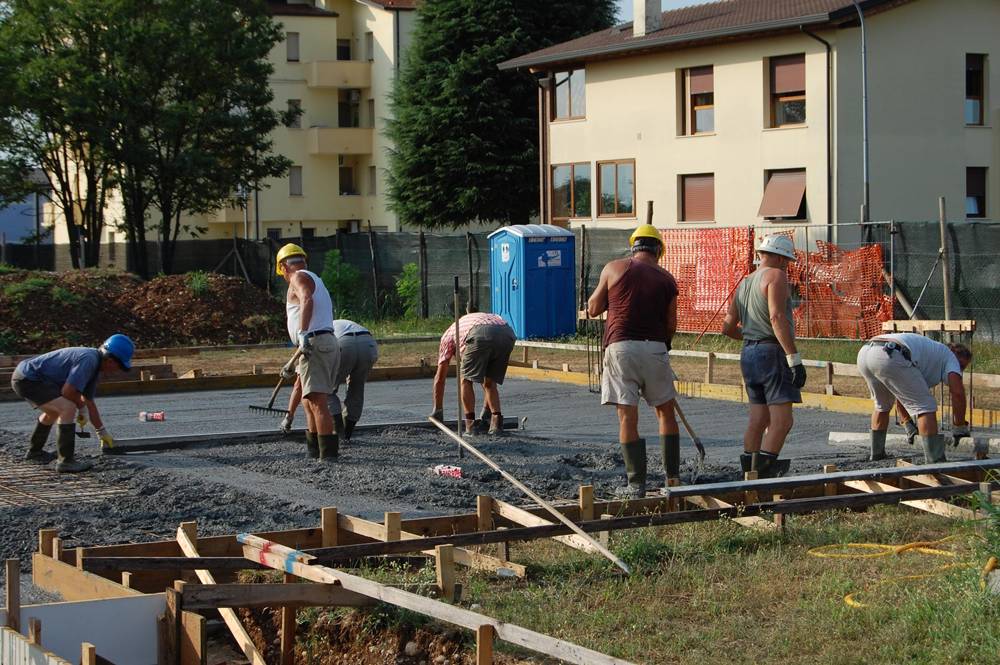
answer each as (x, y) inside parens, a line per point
(198, 283)
(33, 287)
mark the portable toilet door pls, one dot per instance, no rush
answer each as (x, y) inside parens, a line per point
(550, 294)
(507, 279)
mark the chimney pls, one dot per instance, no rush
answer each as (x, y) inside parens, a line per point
(648, 17)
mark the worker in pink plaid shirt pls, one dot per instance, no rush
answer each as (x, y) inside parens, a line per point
(486, 342)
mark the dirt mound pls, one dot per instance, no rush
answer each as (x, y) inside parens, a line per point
(40, 311)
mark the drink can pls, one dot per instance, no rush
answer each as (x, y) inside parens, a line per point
(152, 416)
(448, 471)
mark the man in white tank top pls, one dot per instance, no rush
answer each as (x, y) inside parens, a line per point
(309, 309)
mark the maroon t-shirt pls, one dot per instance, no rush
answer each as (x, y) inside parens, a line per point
(637, 304)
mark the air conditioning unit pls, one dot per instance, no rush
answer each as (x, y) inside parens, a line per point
(355, 96)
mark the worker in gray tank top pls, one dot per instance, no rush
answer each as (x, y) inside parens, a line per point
(761, 316)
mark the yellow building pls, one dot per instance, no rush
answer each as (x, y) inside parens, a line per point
(747, 111)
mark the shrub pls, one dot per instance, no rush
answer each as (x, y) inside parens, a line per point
(408, 288)
(197, 282)
(343, 281)
(6, 269)
(33, 287)
(8, 342)
(64, 296)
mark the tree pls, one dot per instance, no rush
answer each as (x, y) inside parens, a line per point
(465, 133)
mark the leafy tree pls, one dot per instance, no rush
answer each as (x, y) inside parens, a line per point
(343, 281)
(465, 133)
(408, 290)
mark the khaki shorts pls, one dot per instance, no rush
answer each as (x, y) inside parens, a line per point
(487, 353)
(318, 370)
(894, 377)
(632, 368)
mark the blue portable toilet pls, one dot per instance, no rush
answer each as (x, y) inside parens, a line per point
(532, 271)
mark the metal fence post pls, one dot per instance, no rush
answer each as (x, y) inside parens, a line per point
(945, 259)
(422, 261)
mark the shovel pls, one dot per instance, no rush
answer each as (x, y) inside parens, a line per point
(269, 409)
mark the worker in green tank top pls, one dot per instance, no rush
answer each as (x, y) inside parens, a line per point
(761, 316)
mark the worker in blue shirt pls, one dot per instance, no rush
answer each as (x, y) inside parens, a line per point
(62, 385)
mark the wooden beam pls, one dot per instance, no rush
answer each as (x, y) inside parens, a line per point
(484, 644)
(215, 596)
(12, 588)
(444, 563)
(45, 537)
(484, 513)
(928, 505)
(750, 522)
(524, 518)
(172, 641)
(194, 639)
(392, 526)
(329, 525)
(243, 639)
(586, 499)
(73, 584)
(35, 631)
(88, 654)
(288, 628)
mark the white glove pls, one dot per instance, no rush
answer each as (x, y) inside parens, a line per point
(305, 344)
(81, 419)
(288, 372)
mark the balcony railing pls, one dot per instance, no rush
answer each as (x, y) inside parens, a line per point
(332, 141)
(338, 74)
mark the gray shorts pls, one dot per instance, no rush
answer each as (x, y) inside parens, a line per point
(318, 370)
(633, 368)
(892, 377)
(766, 374)
(487, 353)
(35, 392)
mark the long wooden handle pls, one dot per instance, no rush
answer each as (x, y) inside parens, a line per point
(281, 379)
(539, 500)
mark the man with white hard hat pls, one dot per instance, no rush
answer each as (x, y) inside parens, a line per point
(761, 316)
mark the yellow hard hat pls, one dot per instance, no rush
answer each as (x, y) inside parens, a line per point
(288, 251)
(646, 231)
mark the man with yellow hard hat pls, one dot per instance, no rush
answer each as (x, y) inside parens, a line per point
(309, 310)
(640, 298)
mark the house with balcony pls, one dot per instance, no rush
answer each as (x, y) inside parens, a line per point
(748, 112)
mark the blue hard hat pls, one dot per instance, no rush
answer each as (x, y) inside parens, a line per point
(121, 348)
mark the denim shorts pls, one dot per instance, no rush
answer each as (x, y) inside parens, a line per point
(766, 374)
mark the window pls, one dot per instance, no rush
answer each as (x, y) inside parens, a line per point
(975, 192)
(295, 181)
(369, 46)
(698, 197)
(784, 195)
(295, 106)
(274, 234)
(346, 174)
(699, 111)
(371, 113)
(788, 90)
(349, 108)
(292, 46)
(975, 88)
(570, 191)
(308, 234)
(372, 181)
(570, 96)
(343, 49)
(616, 187)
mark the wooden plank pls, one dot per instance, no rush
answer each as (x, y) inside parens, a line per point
(194, 639)
(586, 500)
(214, 596)
(172, 646)
(484, 513)
(524, 518)
(35, 631)
(88, 654)
(749, 522)
(935, 506)
(444, 564)
(45, 537)
(329, 525)
(458, 616)
(391, 525)
(937, 480)
(12, 588)
(232, 621)
(71, 583)
(484, 644)
(288, 628)
(929, 325)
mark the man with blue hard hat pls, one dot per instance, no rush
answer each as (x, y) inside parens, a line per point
(62, 385)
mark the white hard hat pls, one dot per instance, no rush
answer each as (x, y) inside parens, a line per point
(778, 244)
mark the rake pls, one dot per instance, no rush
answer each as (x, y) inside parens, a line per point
(269, 409)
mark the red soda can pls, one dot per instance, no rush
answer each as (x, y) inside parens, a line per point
(152, 416)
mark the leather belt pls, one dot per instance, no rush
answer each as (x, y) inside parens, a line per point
(317, 333)
(891, 347)
(356, 334)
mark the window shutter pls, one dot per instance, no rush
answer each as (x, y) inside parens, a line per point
(699, 198)
(292, 44)
(701, 80)
(788, 73)
(295, 181)
(783, 194)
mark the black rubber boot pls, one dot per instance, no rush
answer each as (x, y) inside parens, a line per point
(349, 429)
(329, 446)
(911, 431)
(496, 424)
(634, 454)
(36, 453)
(485, 414)
(312, 444)
(746, 461)
(670, 448)
(933, 449)
(769, 466)
(878, 445)
(66, 442)
(338, 424)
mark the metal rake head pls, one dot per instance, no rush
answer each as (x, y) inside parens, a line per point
(269, 411)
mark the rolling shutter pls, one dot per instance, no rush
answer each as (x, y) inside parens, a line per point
(788, 74)
(701, 80)
(699, 198)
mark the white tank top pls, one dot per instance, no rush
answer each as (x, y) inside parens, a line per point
(322, 314)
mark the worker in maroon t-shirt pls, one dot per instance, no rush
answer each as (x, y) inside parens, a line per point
(640, 298)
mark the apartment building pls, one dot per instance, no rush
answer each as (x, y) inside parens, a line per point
(751, 111)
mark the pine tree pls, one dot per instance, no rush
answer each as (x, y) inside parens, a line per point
(466, 133)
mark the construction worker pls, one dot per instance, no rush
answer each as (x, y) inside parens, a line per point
(761, 315)
(640, 298)
(62, 385)
(903, 368)
(486, 342)
(358, 354)
(309, 310)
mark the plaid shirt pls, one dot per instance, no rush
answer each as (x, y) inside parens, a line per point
(446, 350)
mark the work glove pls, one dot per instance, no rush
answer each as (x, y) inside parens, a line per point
(288, 372)
(107, 441)
(437, 414)
(81, 419)
(798, 369)
(959, 432)
(305, 344)
(911, 431)
(286, 424)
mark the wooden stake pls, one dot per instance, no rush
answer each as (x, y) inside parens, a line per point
(35, 631)
(586, 503)
(830, 390)
(393, 527)
(127, 580)
(830, 489)
(710, 368)
(194, 640)
(605, 536)
(779, 518)
(484, 512)
(88, 654)
(57, 548)
(13, 589)
(328, 523)
(45, 537)
(750, 496)
(79, 558)
(173, 626)
(986, 489)
(288, 629)
(444, 560)
(484, 645)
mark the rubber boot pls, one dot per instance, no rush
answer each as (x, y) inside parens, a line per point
(496, 424)
(933, 448)
(911, 431)
(66, 442)
(878, 445)
(485, 414)
(329, 446)
(670, 448)
(338, 425)
(349, 429)
(312, 444)
(769, 466)
(36, 453)
(746, 461)
(634, 454)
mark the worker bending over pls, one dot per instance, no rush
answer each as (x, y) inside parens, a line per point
(486, 342)
(62, 385)
(761, 316)
(640, 298)
(902, 368)
(309, 310)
